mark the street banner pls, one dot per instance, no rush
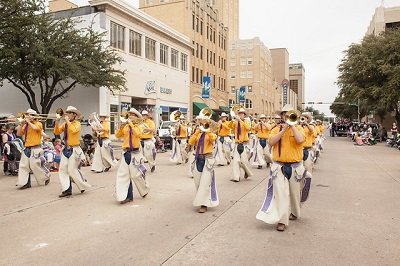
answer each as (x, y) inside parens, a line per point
(242, 95)
(206, 87)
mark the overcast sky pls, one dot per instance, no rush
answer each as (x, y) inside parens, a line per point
(315, 32)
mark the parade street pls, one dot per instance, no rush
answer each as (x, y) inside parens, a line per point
(352, 217)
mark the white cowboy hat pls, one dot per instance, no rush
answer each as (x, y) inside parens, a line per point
(135, 112)
(262, 116)
(198, 117)
(103, 115)
(286, 108)
(277, 116)
(182, 116)
(31, 112)
(144, 112)
(241, 110)
(312, 122)
(224, 115)
(72, 109)
(308, 115)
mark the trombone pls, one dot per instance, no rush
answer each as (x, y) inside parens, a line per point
(292, 117)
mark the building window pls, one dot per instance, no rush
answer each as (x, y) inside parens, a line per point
(174, 58)
(231, 102)
(249, 74)
(184, 62)
(248, 104)
(233, 75)
(117, 36)
(233, 62)
(243, 74)
(211, 53)
(193, 21)
(249, 88)
(197, 50)
(201, 52)
(250, 61)
(135, 43)
(149, 2)
(197, 75)
(201, 27)
(193, 74)
(150, 49)
(242, 61)
(163, 54)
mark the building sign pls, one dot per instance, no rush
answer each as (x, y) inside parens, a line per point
(150, 87)
(206, 87)
(285, 91)
(242, 95)
(165, 90)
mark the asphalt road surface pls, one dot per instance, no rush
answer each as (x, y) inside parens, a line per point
(351, 218)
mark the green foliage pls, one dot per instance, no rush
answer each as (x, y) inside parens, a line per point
(316, 114)
(370, 72)
(46, 58)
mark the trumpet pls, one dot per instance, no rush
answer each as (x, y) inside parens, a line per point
(175, 116)
(303, 119)
(124, 118)
(94, 122)
(292, 117)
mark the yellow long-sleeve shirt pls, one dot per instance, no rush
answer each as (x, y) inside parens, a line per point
(73, 132)
(209, 139)
(124, 132)
(183, 131)
(150, 124)
(263, 131)
(106, 126)
(309, 137)
(244, 130)
(224, 129)
(291, 151)
(33, 137)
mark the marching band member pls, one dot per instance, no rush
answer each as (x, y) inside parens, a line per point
(146, 140)
(191, 152)
(132, 163)
(241, 128)
(72, 154)
(262, 155)
(309, 139)
(103, 158)
(224, 150)
(32, 159)
(252, 138)
(179, 154)
(317, 141)
(283, 193)
(203, 172)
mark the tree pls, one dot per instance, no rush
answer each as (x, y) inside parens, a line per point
(370, 72)
(46, 58)
(315, 113)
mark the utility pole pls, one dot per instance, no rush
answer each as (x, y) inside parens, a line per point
(358, 110)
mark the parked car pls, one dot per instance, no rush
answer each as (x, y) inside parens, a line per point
(165, 134)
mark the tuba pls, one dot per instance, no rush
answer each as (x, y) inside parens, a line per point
(205, 113)
(234, 110)
(175, 115)
(292, 117)
(94, 122)
(208, 125)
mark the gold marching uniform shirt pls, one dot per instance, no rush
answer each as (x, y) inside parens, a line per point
(309, 137)
(209, 139)
(33, 137)
(106, 127)
(291, 151)
(73, 132)
(244, 130)
(183, 131)
(263, 132)
(224, 130)
(150, 124)
(125, 131)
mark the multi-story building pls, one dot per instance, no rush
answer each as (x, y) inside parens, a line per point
(296, 82)
(280, 67)
(198, 20)
(156, 59)
(384, 18)
(250, 65)
(57, 5)
(228, 14)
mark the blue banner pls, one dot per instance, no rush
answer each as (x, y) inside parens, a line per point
(205, 94)
(242, 95)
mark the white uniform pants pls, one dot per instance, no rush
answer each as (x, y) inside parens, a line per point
(262, 155)
(240, 160)
(191, 156)
(149, 151)
(103, 156)
(131, 169)
(179, 154)
(224, 151)
(69, 169)
(282, 197)
(205, 183)
(35, 163)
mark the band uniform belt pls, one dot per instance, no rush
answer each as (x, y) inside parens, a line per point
(135, 150)
(205, 156)
(307, 148)
(33, 147)
(246, 142)
(287, 163)
(146, 139)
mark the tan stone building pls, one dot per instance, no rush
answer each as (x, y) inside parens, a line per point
(198, 20)
(280, 67)
(228, 14)
(250, 64)
(384, 18)
(58, 5)
(296, 82)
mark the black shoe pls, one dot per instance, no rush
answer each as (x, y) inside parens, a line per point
(125, 201)
(82, 191)
(107, 169)
(187, 160)
(25, 186)
(145, 195)
(65, 194)
(153, 168)
(47, 182)
(259, 167)
(246, 175)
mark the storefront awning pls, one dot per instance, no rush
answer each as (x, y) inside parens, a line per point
(224, 108)
(197, 107)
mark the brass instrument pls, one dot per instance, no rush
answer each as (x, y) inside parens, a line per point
(205, 113)
(303, 119)
(292, 117)
(208, 125)
(235, 110)
(175, 116)
(94, 122)
(125, 118)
